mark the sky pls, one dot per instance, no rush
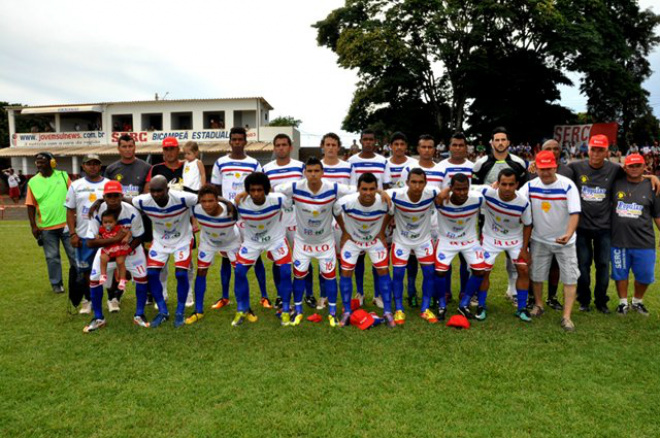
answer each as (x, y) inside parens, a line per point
(73, 51)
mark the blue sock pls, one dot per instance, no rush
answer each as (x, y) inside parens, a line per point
(285, 286)
(96, 293)
(260, 272)
(225, 276)
(331, 289)
(276, 278)
(465, 274)
(428, 274)
(397, 286)
(359, 275)
(413, 267)
(200, 290)
(440, 286)
(374, 274)
(241, 288)
(522, 298)
(471, 288)
(156, 289)
(481, 296)
(140, 298)
(182, 287)
(386, 292)
(346, 288)
(298, 292)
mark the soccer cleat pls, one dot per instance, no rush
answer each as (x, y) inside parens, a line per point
(222, 302)
(250, 316)
(94, 325)
(159, 319)
(334, 322)
(622, 309)
(567, 325)
(429, 316)
(399, 317)
(113, 305)
(278, 303)
(412, 301)
(265, 303)
(389, 319)
(297, 319)
(474, 301)
(345, 319)
(640, 308)
(378, 302)
(122, 284)
(524, 315)
(141, 321)
(179, 320)
(537, 311)
(554, 304)
(481, 313)
(190, 300)
(310, 301)
(195, 317)
(442, 312)
(322, 303)
(360, 299)
(85, 307)
(465, 311)
(239, 318)
(285, 319)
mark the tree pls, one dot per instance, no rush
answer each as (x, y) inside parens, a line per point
(285, 121)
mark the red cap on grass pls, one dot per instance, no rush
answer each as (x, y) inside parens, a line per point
(361, 319)
(459, 321)
(315, 318)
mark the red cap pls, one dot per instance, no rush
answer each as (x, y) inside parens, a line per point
(362, 319)
(634, 159)
(112, 187)
(599, 141)
(170, 142)
(545, 160)
(459, 321)
(315, 318)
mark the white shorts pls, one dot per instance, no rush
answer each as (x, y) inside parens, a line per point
(400, 253)
(351, 251)
(336, 230)
(494, 247)
(278, 251)
(207, 252)
(159, 254)
(290, 233)
(325, 253)
(471, 250)
(136, 264)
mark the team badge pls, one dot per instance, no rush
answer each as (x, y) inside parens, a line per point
(237, 175)
(460, 222)
(168, 224)
(486, 254)
(153, 253)
(365, 226)
(214, 234)
(545, 206)
(584, 179)
(347, 254)
(186, 169)
(620, 195)
(92, 197)
(441, 256)
(244, 250)
(202, 254)
(414, 218)
(119, 177)
(315, 213)
(498, 219)
(399, 252)
(296, 263)
(261, 227)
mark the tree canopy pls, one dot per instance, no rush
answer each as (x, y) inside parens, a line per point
(285, 121)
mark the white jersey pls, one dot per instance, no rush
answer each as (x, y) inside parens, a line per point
(231, 173)
(504, 221)
(376, 165)
(434, 175)
(458, 223)
(449, 169)
(263, 223)
(218, 231)
(551, 207)
(13, 180)
(129, 219)
(413, 219)
(362, 223)
(339, 173)
(81, 195)
(314, 210)
(279, 175)
(192, 179)
(396, 170)
(171, 223)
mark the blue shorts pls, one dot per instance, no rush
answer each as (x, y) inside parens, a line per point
(641, 261)
(85, 256)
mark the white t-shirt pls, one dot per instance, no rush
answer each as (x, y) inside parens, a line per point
(396, 170)
(339, 173)
(362, 223)
(129, 219)
(231, 173)
(81, 195)
(449, 170)
(458, 223)
(376, 165)
(551, 207)
(171, 223)
(13, 180)
(504, 221)
(263, 223)
(192, 179)
(413, 219)
(218, 231)
(279, 175)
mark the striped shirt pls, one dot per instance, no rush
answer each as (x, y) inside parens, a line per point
(458, 223)
(129, 218)
(434, 175)
(362, 223)
(376, 165)
(504, 221)
(171, 223)
(449, 170)
(218, 231)
(263, 223)
(413, 219)
(231, 173)
(396, 170)
(339, 173)
(293, 171)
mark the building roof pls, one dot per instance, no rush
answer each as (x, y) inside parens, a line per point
(263, 101)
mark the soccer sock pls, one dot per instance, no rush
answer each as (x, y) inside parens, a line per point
(522, 298)
(156, 288)
(260, 272)
(413, 267)
(397, 286)
(464, 274)
(276, 278)
(241, 288)
(359, 275)
(552, 291)
(309, 281)
(623, 301)
(441, 291)
(225, 277)
(285, 286)
(200, 290)
(471, 288)
(481, 296)
(140, 298)
(96, 293)
(637, 300)
(374, 274)
(346, 288)
(428, 272)
(386, 292)
(182, 288)
(298, 292)
(331, 289)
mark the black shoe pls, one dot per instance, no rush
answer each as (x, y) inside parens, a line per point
(603, 309)
(442, 311)
(622, 309)
(434, 302)
(554, 304)
(58, 289)
(639, 308)
(412, 301)
(585, 308)
(278, 303)
(310, 301)
(465, 311)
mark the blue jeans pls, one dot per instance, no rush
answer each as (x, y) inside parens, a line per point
(51, 239)
(593, 246)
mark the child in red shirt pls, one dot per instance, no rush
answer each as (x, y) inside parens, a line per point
(116, 252)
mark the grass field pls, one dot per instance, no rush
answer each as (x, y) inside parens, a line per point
(501, 378)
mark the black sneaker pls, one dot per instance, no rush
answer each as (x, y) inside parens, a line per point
(585, 308)
(310, 301)
(442, 311)
(412, 301)
(640, 308)
(622, 309)
(465, 311)
(278, 303)
(554, 304)
(603, 309)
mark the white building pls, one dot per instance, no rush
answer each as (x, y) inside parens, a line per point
(73, 131)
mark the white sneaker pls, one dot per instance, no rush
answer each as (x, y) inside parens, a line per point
(321, 303)
(360, 299)
(113, 305)
(511, 294)
(85, 307)
(190, 300)
(378, 302)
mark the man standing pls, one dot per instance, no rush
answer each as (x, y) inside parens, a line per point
(171, 168)
(555, 213)
(45, 207)
(636, 207)
(13, 181)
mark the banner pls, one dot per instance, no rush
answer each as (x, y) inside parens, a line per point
(207, 135)
(581, 133)
(46, 139)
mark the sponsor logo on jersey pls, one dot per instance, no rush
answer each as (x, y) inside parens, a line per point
(631, 210)
(202, 254)
(441, 256)
(244, 250)
(593, 194)
(347, 254)
(153, 253)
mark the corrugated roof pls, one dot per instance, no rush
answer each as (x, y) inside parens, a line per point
(143, 101)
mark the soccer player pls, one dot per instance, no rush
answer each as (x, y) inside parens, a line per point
(363, 218)
(228, 175)
(136, 263)
(218, 235)
(507, 228)
(264, 231)
(555, 204)
(169, 211)
(636, 207)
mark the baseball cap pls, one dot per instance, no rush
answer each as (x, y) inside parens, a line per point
(361, 319)
(458, 321)
(170, 142)
(634, 159)
(545, 160)
(91, 157)
(112, 187)
(599, 141)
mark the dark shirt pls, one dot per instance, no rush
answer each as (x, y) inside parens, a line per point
(132, 176)
(595, 188)
(635, 207)
(173, 176)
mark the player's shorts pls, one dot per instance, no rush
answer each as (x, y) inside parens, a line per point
(494, 247)
(336, 231)
(290, 233)
(641, 261)
(278, 251)
(351, 251)
(207, 251)
(85, 256)
(542, 253)
(325, 253)
(400, 253)
(136, 264)
(159, 254)
(471, 251)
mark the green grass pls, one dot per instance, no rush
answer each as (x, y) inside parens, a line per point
(501, 378)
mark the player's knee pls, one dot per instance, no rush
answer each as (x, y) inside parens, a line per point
(140, 280)
(523, 270)
(299, 274)
(479, 272)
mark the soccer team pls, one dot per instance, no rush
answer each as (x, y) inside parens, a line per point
(400, 211)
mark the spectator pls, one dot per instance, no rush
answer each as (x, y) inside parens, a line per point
(633, 149)
(13, 181)
(23, 183)
(355, 149)
(615, 152)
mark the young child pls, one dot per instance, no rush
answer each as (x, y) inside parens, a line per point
(116, 252)
(194, 175)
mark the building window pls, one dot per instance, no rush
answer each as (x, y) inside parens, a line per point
(214, 120)
(152, 122)
(122, 123)
(182, 121)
